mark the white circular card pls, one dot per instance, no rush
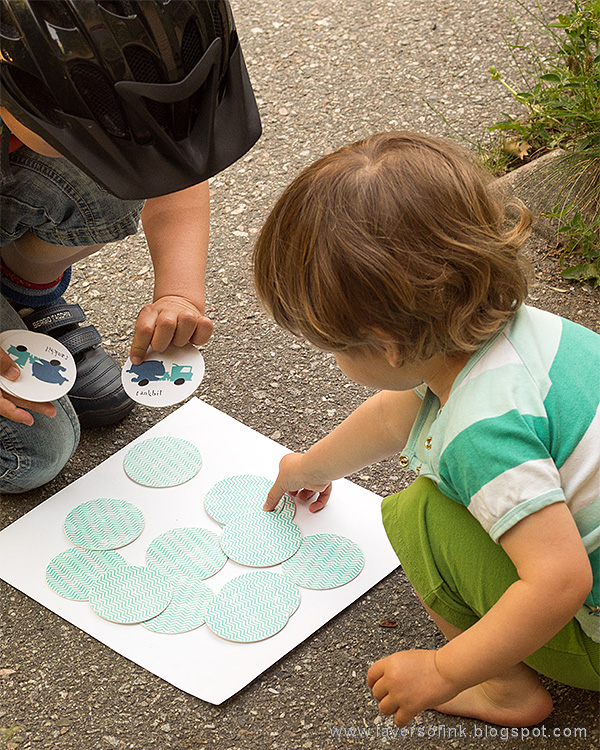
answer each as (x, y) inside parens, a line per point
(186, 610)
(261, 540)
(189, 552)
(104, 523)
(131, 594)
(162, 461)
(235, 497)
(48, 369)
(324, 561)
(164, 378)
(252, 607)
(72, 573)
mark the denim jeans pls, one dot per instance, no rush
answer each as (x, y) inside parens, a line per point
(32, 456)
(60, 204)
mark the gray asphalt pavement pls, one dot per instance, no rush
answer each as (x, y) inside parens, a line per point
(325, 72)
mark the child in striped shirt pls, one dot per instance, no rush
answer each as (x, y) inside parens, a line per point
(392, 253)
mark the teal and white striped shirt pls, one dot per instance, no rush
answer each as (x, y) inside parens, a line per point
(520, 431)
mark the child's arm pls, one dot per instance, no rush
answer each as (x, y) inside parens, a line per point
(554, 579)
(377, 429)
(176, 227)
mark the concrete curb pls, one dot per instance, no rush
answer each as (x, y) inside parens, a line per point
(545, 183)
(527, 185)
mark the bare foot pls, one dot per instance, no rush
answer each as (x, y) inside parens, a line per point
(517, 699)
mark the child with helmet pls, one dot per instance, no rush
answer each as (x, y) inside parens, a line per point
(393, 254)
(112, 111)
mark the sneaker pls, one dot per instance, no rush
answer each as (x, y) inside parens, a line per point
(97, 395)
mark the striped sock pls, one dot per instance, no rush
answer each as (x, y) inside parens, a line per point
(23, 293)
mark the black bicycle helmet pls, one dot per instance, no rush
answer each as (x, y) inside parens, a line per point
(147, 97)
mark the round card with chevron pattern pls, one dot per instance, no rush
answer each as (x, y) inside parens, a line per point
(324, 561)
(252, 607)
(235, 497)
(131, 594)
(162, 462)
(72, 573)
(189, 552)
(104, 523)
(261, 540)
(187, 609)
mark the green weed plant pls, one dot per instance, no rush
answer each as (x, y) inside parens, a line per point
(562, 100)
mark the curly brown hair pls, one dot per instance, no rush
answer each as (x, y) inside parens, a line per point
(396, 236)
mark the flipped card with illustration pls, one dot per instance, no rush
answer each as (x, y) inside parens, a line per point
(164, 378)
(47, 367)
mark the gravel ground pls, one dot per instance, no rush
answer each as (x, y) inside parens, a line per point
(325, 72)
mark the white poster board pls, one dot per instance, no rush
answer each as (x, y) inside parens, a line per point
(197, 662)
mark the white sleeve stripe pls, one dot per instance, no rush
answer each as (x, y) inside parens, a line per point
(523, 510)
(580, 473)
(513, 487)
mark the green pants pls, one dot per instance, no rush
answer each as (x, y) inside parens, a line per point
(460, 573)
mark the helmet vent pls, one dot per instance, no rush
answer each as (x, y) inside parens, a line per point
(120, 8)
(143, 65)
(191, 46)
(217, 20)
(55, 14)
(145, 68)
(220, 34)
(98, 95)
(8, 30)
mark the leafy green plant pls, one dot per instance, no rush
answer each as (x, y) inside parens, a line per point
(562, 95)
(561, 98)
(582, 238)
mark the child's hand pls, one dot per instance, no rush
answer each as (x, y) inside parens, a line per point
(297, 482)
(407, 683)
(9, 405)
(169, 320)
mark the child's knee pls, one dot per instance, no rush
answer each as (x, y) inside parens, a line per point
(32, 456)
(31, 249)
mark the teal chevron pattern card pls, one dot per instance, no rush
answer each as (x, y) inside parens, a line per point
(131, 594)
(324, 561)
(235, 497)
(252, 607)
(72, 572)
(283, 591)
(189, 551)
(162, 462)
(104, 523)
(186, 610)
(261, 540)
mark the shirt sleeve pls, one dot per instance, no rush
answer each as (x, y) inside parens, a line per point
(501, 469)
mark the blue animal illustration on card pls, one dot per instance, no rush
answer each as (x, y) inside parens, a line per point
(164, 378)
(48, 371)
(153, 370)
